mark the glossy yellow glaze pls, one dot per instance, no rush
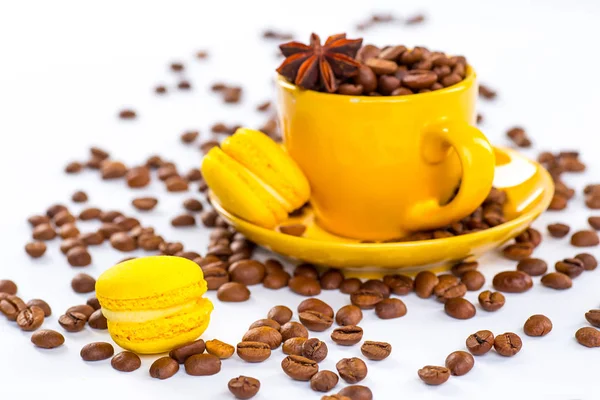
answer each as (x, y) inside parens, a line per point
(529, 188)
(379, 167)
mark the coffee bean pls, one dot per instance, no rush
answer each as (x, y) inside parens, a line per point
(266, 322)
(418, 79)
(558, 230)
(243, 387)
(84, 309)
(480, 342)
(473, 280)
(425, 281)
(112, 170)
(355, 392)
(530, 235)
(233, 292)
(293, 229)
(44, 232)
(366, 299)
(461, 268)
(68, 231)
(573, 267)
(293, 329)
(36, 220)
(97, 320)
(280, 314)
(556, 280)
(593, 317)
(537, 325)
(532, 266)
(594, 222)
(518, 251)
(459, 363)
(97, 351)
(381, 66)
(126, 361)
(390, 308)
(11, 305)
(219, 349)
(376, 351)
(248, 272)
(299, 368)
(189, 136)
(331, 279)
(41, 304)
(8, 286)
(127, 114)
(348, 315)
(164, 368)
(434, 375)
(512, 282)
(79, 197)
(352, 370)
(83, 283)
(171, 248)
(79, 257)
(377, 286)
(35, 249)
(491, 301)
(314, 349)
(350, 285)
(30, 318)
(138, 177)
(347, 335)
(315, 321)
(53, 210)
(294, 345)
(399, 284)
(183, 220)
(585, 239)
(588, 337)
(73, 321)
(182, 352)
(323, 381)
(47, 339)
(306, 270)
(94, 303)
(193, 205)
(73, 167)
(62, 218)
(276, 280)
(264, 334)
(253, 351)
(459, 308)
(202, 365)
(314, 304)
(304, 286)
(449, 287)
(184, 85)
(144, 203)
(507, 344)
(90, 214)
(589, 261)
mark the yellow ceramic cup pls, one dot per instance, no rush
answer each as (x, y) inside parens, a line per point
(380, 167)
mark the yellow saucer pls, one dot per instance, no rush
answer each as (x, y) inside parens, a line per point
(529, 188)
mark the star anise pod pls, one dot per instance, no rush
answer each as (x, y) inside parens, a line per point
(317, 66)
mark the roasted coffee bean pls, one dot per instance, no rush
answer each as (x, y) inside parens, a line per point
(293, 329)
(530, 235)
(314, 349)
(588, 337)
(233, 292)
(355, 392)
(202, 365)
(248, 272)
(512, 282)
(557, 280)
(55, 209)
(518, 251)
(189, 136)
(280, 314)
(90, 214)
(315, 321)
(41, 304)
(491, 301)
(398, 284)
(144, 203)
(35, 249)
(47, 339)
(323, 381)
(129, 224)
(473, 280)
(110, 216)
(272, 265)
(594, 222)
(299, 368)
(112, 169)
(181, 353)
(30, 318)
(347, 335)
(390, 308)
(83, 283)
(70, 243)
(108, 229)
(348, 315)
(425, 281)
(253, 351)
(79, 197)
(11, 305)
(164, 368)
(126, 361)
(123, 241)
(593, 317)
(350, 89)
(366, 299)
(193, 205)
(532, 266)
(73, 167)
(585, 239)
(184, 85)
(264, 334)
(172, 248)
(243, 387)
(480, 342)
(434, 375)
(94, 303)
(304, 286)
(449, 287)
(215, 276)
(176, 184)
(459, 363)
(127, 114)
(84, 309)
(36, 220)
(219, 349)
(378, 286)
(73, 321)
(167, 171)
(62, 218)
(537, 325)
(558, 230)
(331, 279)
(352, 370)
(294, 345)
(589, 261)
(7, 286)
(68, 230)
(307, 270)
(376, 350)
(573, 267)
(315, 305)
(507, 344)
(79, 257)
(43, 232)
(97, 351)
(350, 285)
(459, 308)
(97, 320)
(183, 220)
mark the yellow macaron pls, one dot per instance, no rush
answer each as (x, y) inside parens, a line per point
(154, 304)
(254, 178)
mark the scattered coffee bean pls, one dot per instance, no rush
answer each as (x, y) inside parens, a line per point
(491, 301)
(127, 114)
(532, 266)
(97, 320)
(459, 363)
(473, 280)
(94, 303)
(68, 231)
(243, 387)
(30, 318)
(425, 281)
(41, 304)
(352, 370)
(399, 284)
(73, 321)
(83, 283)
(36, 220)
(54, 209)
(44, 232)
(434, 375)
(293, 329)
(276, 280)
(355, 392)
(294, 345)
(518, 251)
(558, 230)
(219, 349)
(84, 309)
(183, 220)
(11, 305)
(126, 361)
(480, 342)
(164, 368)
(193, 205)
(184, 85)
(588, 337)
(594, 222)
(79, 197)
(181, 353)
(79, 257)
(585, 239)
(264, 334)
(73, 167)
(202, 365)
(459, 308)
(323, 381)
(314, 304)
(331, 279)
(315, 321)
(90, 214)
(572, 267)
(299, 368)
(280, 314)
(350, 285)
(233, 292)
(377, 286)
(366, 299)
(304, 286)
(306, 270)
(390, 308)
(512, 282)
(507, 344)
(589, 261)
(556, 280)
(266, 322)
(176, 184)
(376, 351)
(593, 317)
(348, 335)
(35, 249)
(189, 136)
(461, 268)
(314, 349)
(537, 325)
(7, 286)
(97, 351)
(248, 272)
(348, 315)
(253, 351)
(47, 339)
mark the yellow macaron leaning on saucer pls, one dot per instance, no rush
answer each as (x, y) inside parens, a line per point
(254, 178)
(154, 304)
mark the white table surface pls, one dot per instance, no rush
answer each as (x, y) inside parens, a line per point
(66, 68)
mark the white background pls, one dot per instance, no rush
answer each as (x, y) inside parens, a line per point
(66, 68)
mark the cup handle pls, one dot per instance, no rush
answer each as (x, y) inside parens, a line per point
(478, 162)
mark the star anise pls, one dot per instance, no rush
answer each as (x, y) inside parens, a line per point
(317, 66)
